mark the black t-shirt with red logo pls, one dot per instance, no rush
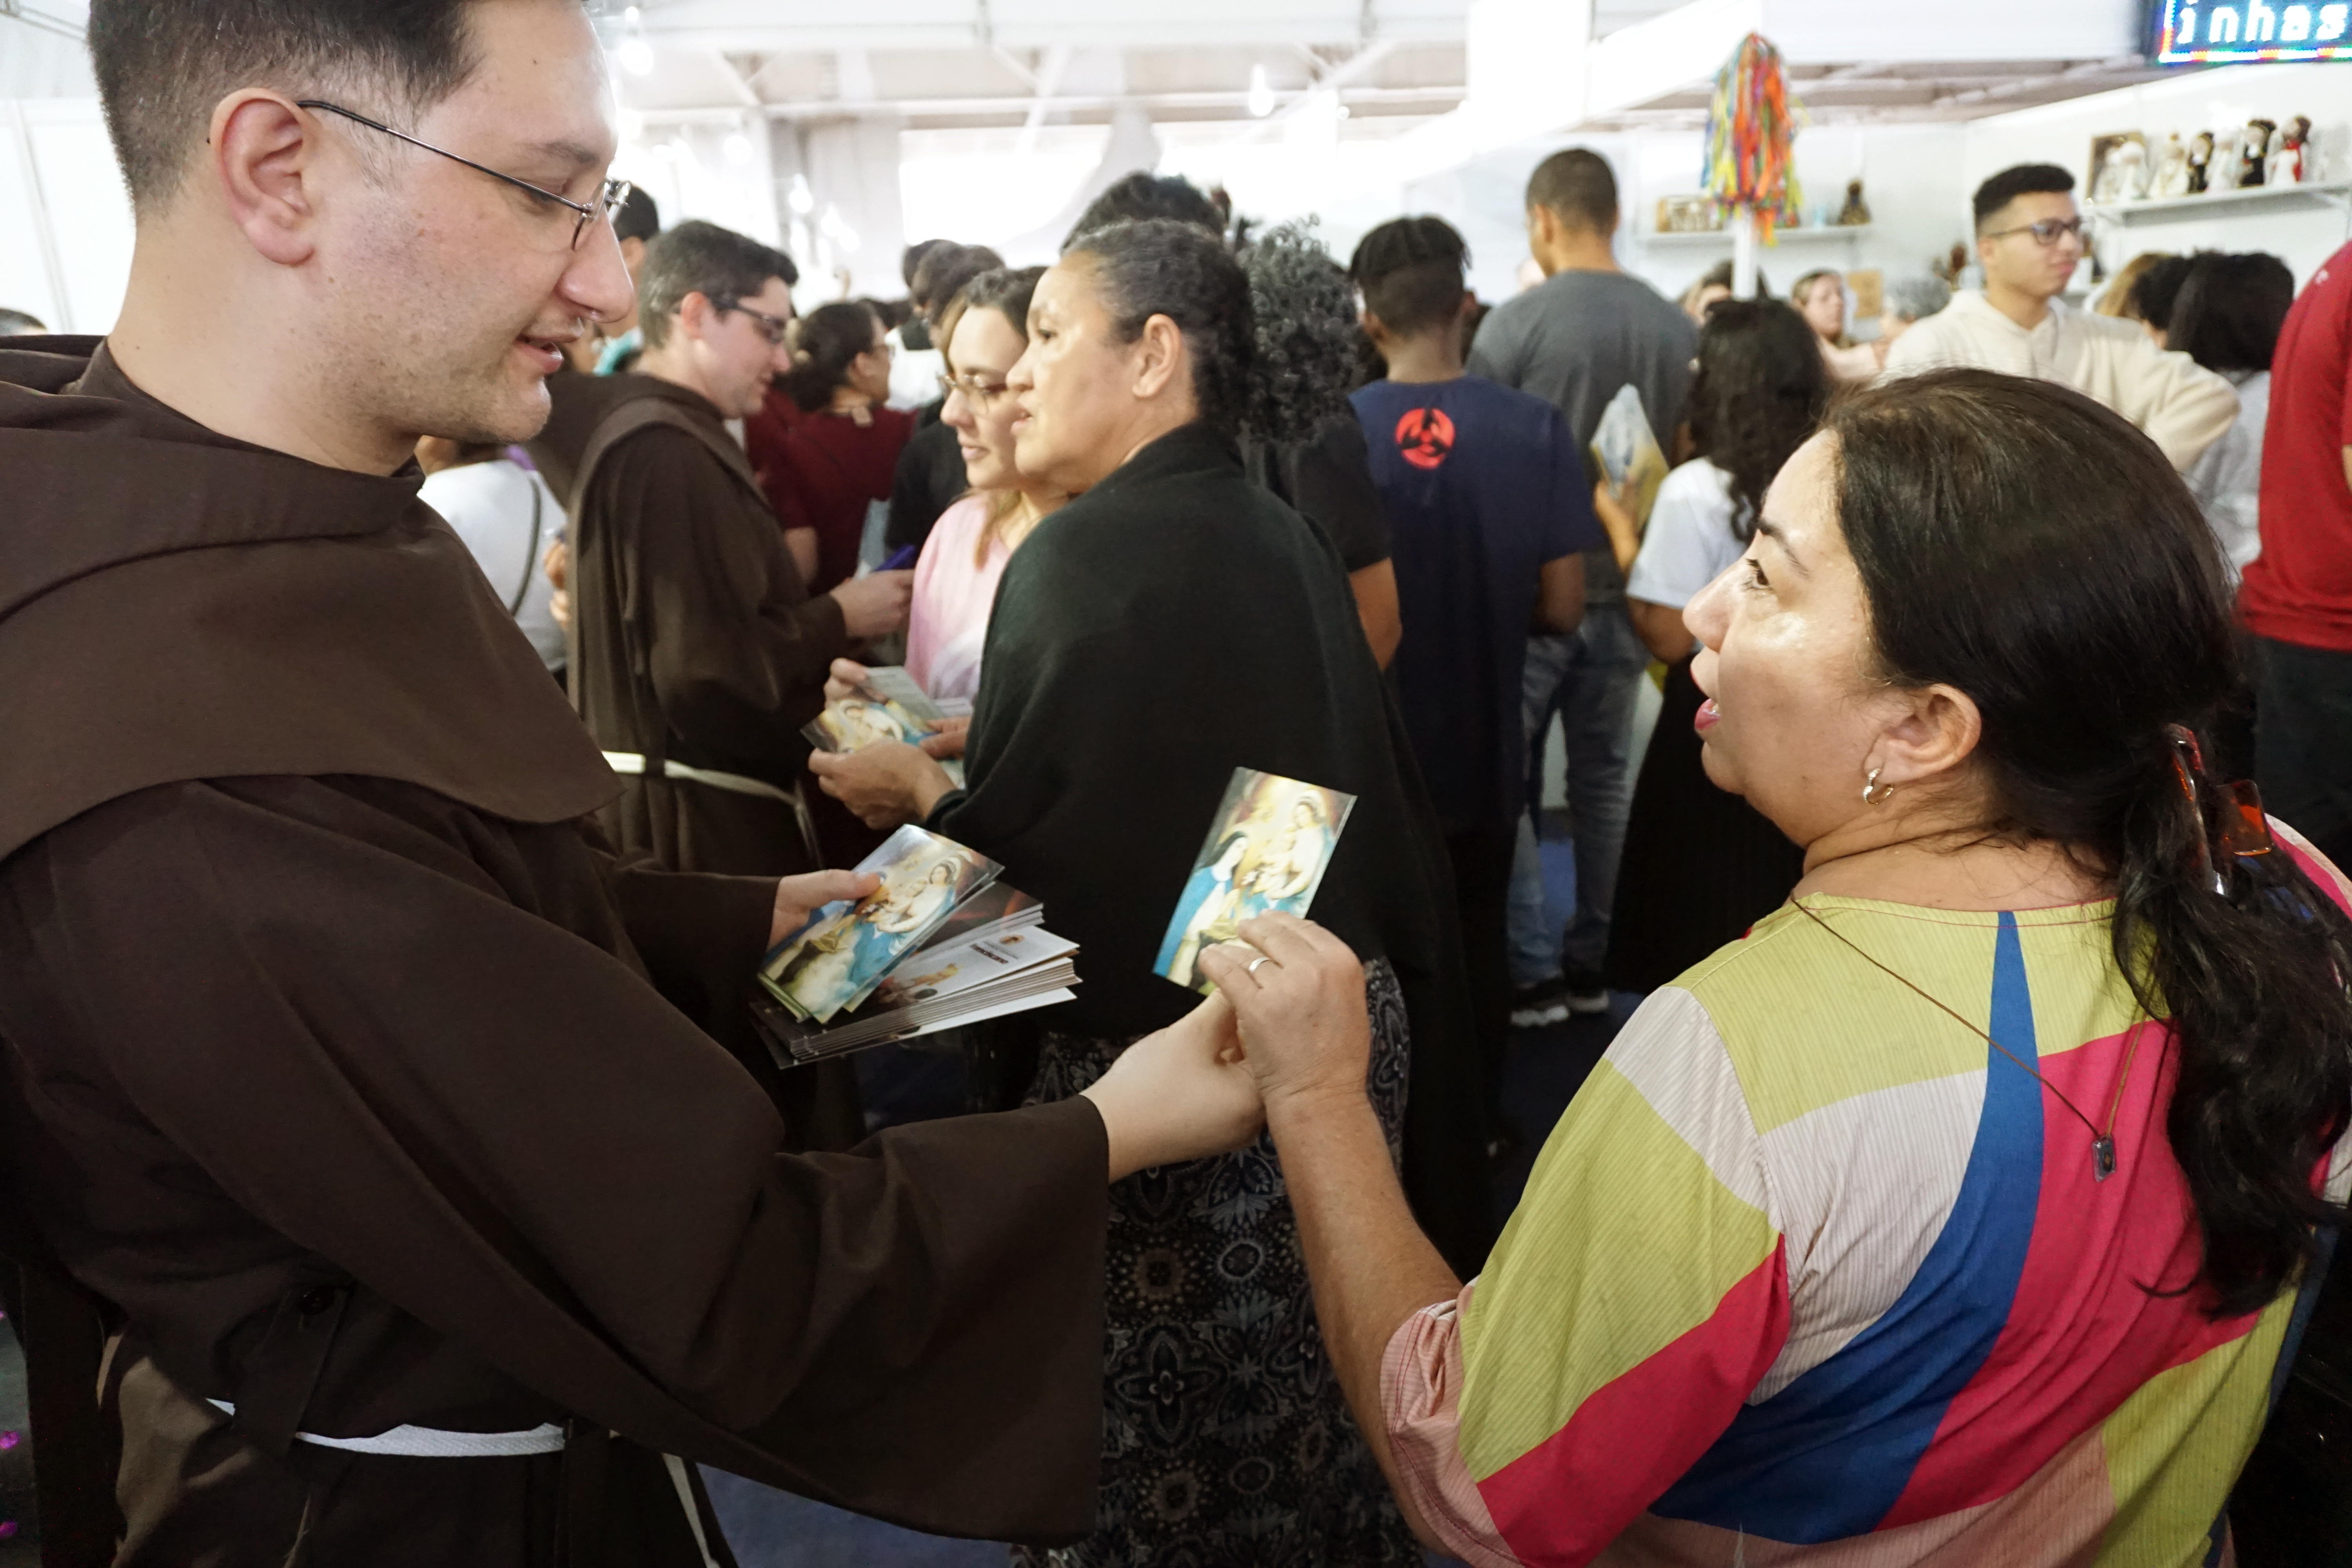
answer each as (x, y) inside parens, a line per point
(1482, 486)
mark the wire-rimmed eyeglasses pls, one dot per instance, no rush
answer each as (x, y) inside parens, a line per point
(608, 200)
(2047, 233)
(981, 395)
(775, 329)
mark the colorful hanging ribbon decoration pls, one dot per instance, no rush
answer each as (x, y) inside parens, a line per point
(1751, 133)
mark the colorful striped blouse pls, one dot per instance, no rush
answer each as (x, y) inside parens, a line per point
(1808, 1274)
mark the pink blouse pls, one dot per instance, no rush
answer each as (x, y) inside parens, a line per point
(948, 621)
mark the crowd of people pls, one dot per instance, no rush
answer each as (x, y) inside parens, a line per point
(395, 1172)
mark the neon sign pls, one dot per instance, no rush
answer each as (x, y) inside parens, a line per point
(2220, 32)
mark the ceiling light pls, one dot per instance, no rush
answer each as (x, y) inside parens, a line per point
(631, 15)
(637, 57)
(738, 147)
(802, 200)
(1261, 93)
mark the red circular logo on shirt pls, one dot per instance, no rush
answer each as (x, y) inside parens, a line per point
(1424, 437)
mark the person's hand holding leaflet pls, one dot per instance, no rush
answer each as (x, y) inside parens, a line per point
(885, 785)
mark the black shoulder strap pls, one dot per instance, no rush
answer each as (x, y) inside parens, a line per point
(529, 556)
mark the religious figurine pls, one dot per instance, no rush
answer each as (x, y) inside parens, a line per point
(2221, 174)
(2287, 162)
(2200, 158)
(1856, 212)
(2129, 161)
(2253, 149)
(2172, 168)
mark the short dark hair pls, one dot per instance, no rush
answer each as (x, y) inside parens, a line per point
(2155, 290)
(911, 258)
(1577, 185)
(162, 65)
(639, 217)
(2020, 180)
(698, 257)
(1409, 270)
(1163, 267)
(1142, 195)
(2230, 309)
(947, 268)
(14, 324)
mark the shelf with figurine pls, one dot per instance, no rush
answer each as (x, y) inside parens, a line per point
(1699, 220)
(2264, 163)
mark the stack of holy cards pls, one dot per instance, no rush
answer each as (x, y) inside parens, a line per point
(941, 942)
(888, 706)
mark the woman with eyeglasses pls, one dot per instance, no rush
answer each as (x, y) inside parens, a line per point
(2030, 239)
(826, 443)
(983, 331)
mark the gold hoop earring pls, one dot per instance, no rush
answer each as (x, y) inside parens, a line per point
(1870, 791)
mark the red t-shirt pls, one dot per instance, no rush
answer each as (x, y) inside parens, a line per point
(822, 470)
(2299, 589)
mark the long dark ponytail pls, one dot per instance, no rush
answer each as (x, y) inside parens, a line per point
(825, 346)
(2025, 545)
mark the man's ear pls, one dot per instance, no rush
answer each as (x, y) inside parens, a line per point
(694, 315)
(267, 160)
(1162, 356)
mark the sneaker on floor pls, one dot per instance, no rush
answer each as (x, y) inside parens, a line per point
(1585, 992)
(1538, 1005)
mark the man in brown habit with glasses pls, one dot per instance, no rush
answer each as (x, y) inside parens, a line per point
(378, 1203)
(698, 653)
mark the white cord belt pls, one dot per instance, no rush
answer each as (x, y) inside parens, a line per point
(427, 1443)
(631, 763)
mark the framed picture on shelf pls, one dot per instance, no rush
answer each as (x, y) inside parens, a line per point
(1869, 286)
(1688, 215)
(2118, 168)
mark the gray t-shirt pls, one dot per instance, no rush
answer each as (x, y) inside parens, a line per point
(1574, 339)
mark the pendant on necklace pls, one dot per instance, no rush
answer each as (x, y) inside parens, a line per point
(2102, 1156)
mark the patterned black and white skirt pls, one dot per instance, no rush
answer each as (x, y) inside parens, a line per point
(1226, 1442)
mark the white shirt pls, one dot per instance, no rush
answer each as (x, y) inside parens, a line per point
(1689, 542)
(2182, 407)
(2227, 480)
(913, 373)
(489, 506)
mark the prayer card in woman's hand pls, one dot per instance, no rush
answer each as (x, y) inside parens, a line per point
(1266, 849)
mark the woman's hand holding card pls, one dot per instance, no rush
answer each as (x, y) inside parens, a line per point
(885, 785)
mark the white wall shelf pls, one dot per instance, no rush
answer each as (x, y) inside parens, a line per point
(1722, 237)
(2250, 201)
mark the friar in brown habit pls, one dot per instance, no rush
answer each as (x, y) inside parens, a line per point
(697, 654)
(383, 1201)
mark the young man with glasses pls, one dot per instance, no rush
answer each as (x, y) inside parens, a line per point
(2030, 239)
(349, 1117)
(698, 651)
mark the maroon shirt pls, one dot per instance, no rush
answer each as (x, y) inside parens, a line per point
(821, 470)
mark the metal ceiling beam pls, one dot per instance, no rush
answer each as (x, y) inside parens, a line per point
(1050, 71)
(833, 108)
(39, 20)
